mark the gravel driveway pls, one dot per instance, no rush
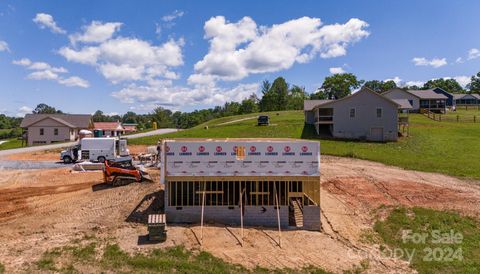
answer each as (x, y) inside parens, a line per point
(9, 164)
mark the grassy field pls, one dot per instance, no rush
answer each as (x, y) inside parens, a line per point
(437, 246)
(445, 147)
(96, 256)
(12, 143)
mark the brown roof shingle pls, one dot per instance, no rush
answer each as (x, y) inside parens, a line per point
(108, 125)
(310, 104)
(70, 120)
(427, 94)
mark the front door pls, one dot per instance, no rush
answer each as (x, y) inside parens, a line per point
(376, 134)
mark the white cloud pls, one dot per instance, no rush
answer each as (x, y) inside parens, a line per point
(174, 15)
(165, 94)
(158, 29)
(43, 75)
(23, 110)
(473, 54)
(74, 81)
(168, 21)
(243, 48)
(87, 55)
(462, 80)
(336, 70)
(44, 71)
(38, 66)
(122, 72)
(459, 60)
(398, 81)
(44, 20)
(22, 62)
(4, 46)
(96, 32)
(129, 59)
(435, 62)
(415, 83)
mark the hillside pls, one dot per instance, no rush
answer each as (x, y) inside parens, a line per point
(444, 147)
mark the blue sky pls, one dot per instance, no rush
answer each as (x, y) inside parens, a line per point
(80, 56)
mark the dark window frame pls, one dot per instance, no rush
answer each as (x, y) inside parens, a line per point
(379, 114)
(352, 113)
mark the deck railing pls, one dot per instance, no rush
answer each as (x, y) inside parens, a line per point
(403, 120)
(324, 118)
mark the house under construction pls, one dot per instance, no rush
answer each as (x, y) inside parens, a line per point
(257, 181)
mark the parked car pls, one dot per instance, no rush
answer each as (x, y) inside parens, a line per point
(263, 120)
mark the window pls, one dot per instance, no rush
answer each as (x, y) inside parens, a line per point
(55, 131)
(411, 102)
(352, 113)
(41, 131)
(379, 113)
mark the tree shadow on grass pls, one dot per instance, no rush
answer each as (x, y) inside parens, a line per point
(309, 132)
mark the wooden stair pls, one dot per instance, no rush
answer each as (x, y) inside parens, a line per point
(297, 217)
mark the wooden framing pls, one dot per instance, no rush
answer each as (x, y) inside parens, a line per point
(224, 190)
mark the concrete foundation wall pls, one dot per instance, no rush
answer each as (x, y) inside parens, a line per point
(253, 215)
(311, 218)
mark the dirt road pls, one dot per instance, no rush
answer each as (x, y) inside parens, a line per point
(43, 209)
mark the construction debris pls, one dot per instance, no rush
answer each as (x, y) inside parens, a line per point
(87, 166)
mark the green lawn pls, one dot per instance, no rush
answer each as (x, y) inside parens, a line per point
(97, 256)
(445, 147)
(12, 143)
(442, 242)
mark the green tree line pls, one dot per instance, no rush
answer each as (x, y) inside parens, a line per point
(275, 96)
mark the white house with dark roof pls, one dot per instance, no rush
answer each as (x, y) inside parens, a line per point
(51, 128)
(365, 115)
(420, 99)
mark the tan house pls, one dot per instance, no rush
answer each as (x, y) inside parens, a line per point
(52, 128)
(130, 127)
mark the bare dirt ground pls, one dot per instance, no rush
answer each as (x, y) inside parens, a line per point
(43, 209)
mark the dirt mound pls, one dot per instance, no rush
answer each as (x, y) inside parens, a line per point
(370, 194)
(13, 201)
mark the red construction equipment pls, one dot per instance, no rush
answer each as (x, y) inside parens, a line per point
(119, 173)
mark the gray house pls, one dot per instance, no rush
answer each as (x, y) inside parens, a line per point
(363, 115)
(466, 99)
(420, 99)
(51, 128)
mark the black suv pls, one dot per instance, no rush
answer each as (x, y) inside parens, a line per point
(263, 120)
